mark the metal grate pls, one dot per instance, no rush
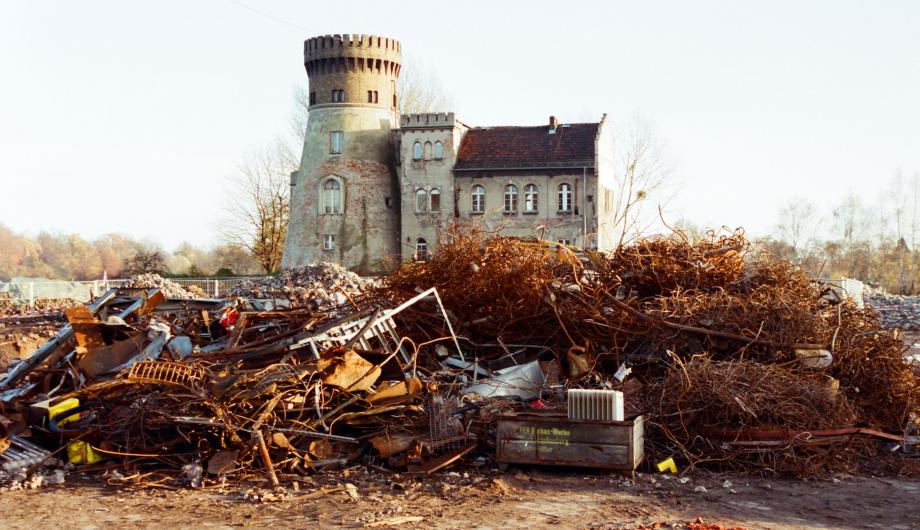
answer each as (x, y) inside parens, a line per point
(165, 373)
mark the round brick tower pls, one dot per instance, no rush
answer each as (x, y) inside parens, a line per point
(344, 198)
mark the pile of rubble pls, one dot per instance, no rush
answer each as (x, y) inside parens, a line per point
(495, 350)
(39, 306)
(319, 286)
(150, 280)
(896, 310)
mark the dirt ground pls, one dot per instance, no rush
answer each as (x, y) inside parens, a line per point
(518, 498)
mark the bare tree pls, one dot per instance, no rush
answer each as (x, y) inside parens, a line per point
(259, 206)
(644, 172)
(797, 223)
(145, 260)
(420, 90)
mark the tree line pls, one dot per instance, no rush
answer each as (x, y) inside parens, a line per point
(872, 239)
(72, 257)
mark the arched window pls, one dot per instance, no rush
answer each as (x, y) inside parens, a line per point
(332, 196)
(421, 249)
(565, 197)
(478, 196)
(434, 198)
(511, 198)
(427, 150)
(421, 200)
(438, 151)
(531, 198)
(417, 151)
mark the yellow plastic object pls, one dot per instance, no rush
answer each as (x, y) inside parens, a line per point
(667, 465)
(63, 406)
(80, 452)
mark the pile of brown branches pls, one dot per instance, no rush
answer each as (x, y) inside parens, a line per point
(745, 415)
(660, 302)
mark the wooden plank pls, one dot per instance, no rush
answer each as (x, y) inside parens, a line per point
(601, 456)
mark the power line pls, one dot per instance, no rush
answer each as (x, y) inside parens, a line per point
(270, 16)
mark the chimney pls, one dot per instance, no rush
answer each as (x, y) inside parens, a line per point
(552, 124)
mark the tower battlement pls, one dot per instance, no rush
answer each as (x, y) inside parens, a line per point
(427, 120)
(335, 45)
(353, 69)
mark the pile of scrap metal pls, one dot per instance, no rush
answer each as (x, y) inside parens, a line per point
(220, 388)
(736, 359)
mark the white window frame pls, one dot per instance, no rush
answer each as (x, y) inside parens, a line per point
(531, 198)
(435, 192)
(336, 142)
(421, 200)
(417, 151)
(331, 190)
(511, 198)
(478, 199)
(421, 249)
(565, 197)
(328, 241)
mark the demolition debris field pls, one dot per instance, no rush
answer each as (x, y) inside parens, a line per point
(707, 362)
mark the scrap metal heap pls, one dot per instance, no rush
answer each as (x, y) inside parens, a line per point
(734, 360)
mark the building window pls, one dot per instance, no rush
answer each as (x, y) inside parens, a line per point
(435, 199)
(332, 197)
(417, 151)
(531, 198)
(335, 142)
(421, 249)
(511, 198)
(438, 151)
(565, 241)
(565, 197)
(328, 241)
(479, 199)
(427, 150)
(421, 200)
(338, 96)
(372, 96)
(312, 98)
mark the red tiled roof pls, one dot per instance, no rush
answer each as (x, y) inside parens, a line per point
(572, 145)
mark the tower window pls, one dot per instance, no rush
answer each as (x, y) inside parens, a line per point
(531, 198)
(372, 96)
(565, 198)
(335, 142)
(421, 200)
(421, 249)
(338, 95)
(438, 151)
(511, 198)
(332, 197)
(328, 241)
(417, 151)
(435, 199)
(478, 196)
(427, 150)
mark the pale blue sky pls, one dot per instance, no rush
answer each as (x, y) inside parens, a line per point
(128, 116)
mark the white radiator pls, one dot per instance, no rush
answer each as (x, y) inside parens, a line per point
(603, 405)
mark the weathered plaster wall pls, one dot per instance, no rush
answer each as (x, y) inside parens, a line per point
(427, 174)
(547, 223)
(366, 230)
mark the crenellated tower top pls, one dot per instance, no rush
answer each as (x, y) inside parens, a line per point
(352, 70)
